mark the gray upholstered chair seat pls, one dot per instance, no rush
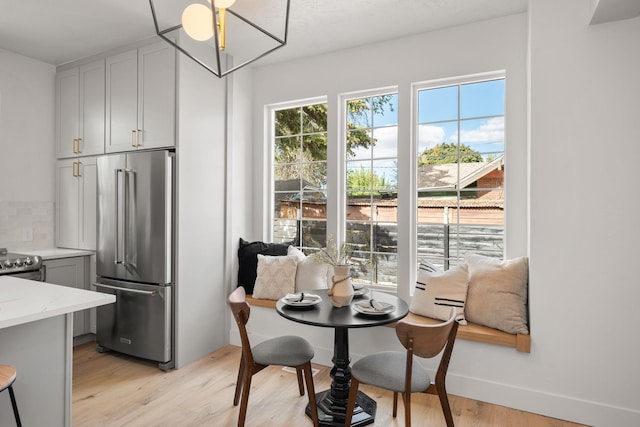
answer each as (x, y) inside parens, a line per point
(374, 370)
(292, 351)
(285, 351)
(389, 369)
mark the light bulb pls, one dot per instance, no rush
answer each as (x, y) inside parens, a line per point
(223, 4)
(197, 21)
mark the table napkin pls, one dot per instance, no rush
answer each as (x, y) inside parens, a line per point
(300, 297)
(373, 306)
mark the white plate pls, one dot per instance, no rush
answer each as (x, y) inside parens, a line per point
(364, 307)
(308, 301)
(357, 286)
(360, 292)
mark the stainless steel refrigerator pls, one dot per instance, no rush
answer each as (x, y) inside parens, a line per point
(134, 259)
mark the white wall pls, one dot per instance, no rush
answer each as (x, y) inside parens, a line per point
(240, 206)
(202, 316)
(27, 93)
(27, 159)
(584, 104)
(585, 146)
(481, 371)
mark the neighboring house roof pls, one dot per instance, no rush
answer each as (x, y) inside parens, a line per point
(445, 176)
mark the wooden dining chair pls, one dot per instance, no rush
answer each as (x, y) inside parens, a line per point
(290, 351)
(400, 371)
(7, 378)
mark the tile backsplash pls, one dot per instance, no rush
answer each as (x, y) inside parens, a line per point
(26, 225)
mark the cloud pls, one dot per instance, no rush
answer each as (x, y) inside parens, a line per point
(491, 130)
(386, 144)
(429, 136)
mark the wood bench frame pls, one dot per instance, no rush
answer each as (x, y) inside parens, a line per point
(470, 331)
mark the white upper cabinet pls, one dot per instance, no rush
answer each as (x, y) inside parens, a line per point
(141, 98)
(80, 103)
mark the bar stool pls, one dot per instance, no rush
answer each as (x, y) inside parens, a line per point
(7, 377)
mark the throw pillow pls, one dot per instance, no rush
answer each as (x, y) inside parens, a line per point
(276, 276)
(436, 292)
(248, 260)
(310, 274)
(498, 293)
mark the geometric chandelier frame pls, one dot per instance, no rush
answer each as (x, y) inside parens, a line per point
(257, 40)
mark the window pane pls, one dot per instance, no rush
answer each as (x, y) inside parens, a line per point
(284, 230)
(314, 118)
(386, 237)
(287, 122)
(385, 142)
(482, 99)
(486, 136)
(460, 173)
(285, 217)
(384, 175)
(372, 187)
(429, 136)
(359, 144)
(385, 109)
(315, 146)
(300, 173)
(437, 105)
(358, 113)
(359, 177)
(287, 176)
(287, 149)
(313, 234)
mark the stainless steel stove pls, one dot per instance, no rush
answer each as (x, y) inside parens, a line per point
(18, 265)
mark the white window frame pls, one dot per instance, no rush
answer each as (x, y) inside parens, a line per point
(434, 84)
(269, 112)
(341, 191)
(515, 155)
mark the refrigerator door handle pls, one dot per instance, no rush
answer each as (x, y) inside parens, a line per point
(119, 217)
(130, 253)
(117, 288)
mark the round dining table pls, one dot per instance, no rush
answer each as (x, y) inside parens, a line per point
(332, 403)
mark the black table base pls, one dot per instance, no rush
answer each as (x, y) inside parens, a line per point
(332, 403)
(330, 415)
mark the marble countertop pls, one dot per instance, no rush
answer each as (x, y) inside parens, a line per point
(56, 253)
(23, 301)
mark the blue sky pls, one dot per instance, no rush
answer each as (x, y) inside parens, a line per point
(479, 107)
(475, 104)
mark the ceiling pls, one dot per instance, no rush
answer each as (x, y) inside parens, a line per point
(60, 31)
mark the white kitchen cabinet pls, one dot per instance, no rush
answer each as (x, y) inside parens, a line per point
(141, 98)
(73, 272)
(76, 199)
(80, 107)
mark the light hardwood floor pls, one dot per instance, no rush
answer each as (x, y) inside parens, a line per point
(110, 389)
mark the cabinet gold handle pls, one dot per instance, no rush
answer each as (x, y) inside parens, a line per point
(133, 140)
(79, 169)
(75, 142)
(138, 132)
(79, 146)
(74, 169)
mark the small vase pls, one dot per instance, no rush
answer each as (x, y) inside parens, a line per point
(341, 291)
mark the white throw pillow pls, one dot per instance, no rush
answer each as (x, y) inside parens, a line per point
(436, 292)
(498, 293)
(275, 276)
(311, 274)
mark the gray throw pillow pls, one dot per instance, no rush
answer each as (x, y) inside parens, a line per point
(497, 295)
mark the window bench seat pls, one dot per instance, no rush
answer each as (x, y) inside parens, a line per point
(470, 331)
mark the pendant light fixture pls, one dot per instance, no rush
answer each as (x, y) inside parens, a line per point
(222, 35)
